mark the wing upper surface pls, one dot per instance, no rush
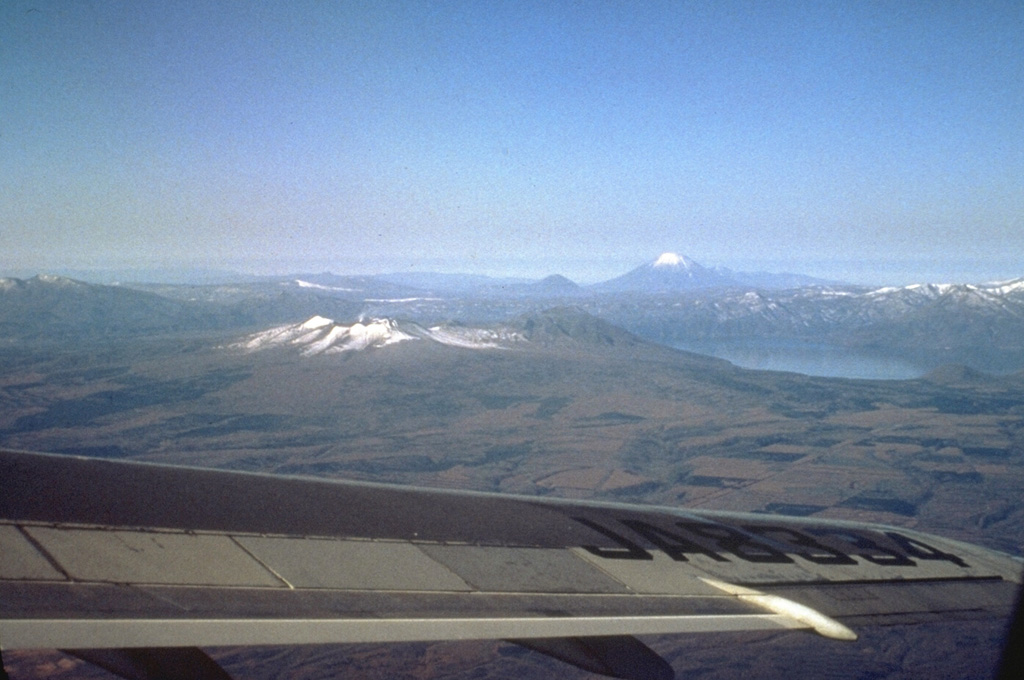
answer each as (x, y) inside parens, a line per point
(102, 553)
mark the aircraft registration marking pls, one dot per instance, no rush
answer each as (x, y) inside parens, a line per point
(766, 543)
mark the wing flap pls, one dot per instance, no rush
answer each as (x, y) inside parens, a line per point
(906, 601)
(166, 663)
(618, 657)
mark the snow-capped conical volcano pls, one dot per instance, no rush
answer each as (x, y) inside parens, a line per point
(670, 271)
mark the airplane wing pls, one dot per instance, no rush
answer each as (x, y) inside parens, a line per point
(134, 566)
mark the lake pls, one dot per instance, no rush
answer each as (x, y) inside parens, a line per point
(808, 358)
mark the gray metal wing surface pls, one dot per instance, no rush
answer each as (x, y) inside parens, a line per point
(119, 560)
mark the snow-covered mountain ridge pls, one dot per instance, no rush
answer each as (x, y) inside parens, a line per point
(977, 324)
(962, 291)
(320, 335)
(828, 308)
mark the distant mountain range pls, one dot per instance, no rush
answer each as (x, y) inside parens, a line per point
(669, 272)
(673, 300)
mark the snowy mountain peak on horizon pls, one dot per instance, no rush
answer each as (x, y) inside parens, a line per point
(669, 272)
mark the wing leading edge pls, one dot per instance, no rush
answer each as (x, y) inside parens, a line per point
(121, 556)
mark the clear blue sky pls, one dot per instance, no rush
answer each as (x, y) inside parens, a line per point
(514, 137)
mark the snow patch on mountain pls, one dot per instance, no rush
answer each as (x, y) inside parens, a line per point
(474, 338)
(316, 322)
(672, 260)
(319, 286)
(1008, 287)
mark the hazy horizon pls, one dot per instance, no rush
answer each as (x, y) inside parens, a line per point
(865, 142)
(859, 272)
